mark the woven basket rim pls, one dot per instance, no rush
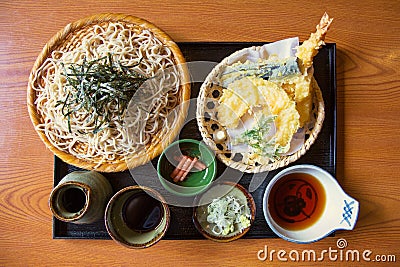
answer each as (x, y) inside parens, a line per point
(283, 160)
(152, 150)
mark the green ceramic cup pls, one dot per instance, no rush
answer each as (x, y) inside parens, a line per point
(196, 181)
(116, 213)
(80, 197)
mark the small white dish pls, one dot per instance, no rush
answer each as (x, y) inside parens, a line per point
(285, 209)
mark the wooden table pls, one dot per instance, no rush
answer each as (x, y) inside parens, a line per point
(368, 92)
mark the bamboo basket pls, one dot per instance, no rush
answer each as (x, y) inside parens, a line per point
(208, 123)
(69, 38)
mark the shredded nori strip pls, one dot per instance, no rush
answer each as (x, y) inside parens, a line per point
(97, 84)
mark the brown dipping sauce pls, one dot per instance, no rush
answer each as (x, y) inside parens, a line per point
(297, 201)
(73, 199)
(141, 212)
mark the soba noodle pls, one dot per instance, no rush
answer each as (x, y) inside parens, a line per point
(147, 115)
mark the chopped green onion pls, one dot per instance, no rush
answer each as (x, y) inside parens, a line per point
(228, 214)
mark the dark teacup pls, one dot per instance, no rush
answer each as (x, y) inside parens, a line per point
(137, 217)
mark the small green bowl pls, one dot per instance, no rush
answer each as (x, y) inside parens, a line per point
(196, 181)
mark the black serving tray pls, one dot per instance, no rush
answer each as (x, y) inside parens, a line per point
(322, 153)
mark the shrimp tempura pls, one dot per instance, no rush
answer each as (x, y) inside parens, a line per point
(309, 48)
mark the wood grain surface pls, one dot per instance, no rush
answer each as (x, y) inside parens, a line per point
(368, 60)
